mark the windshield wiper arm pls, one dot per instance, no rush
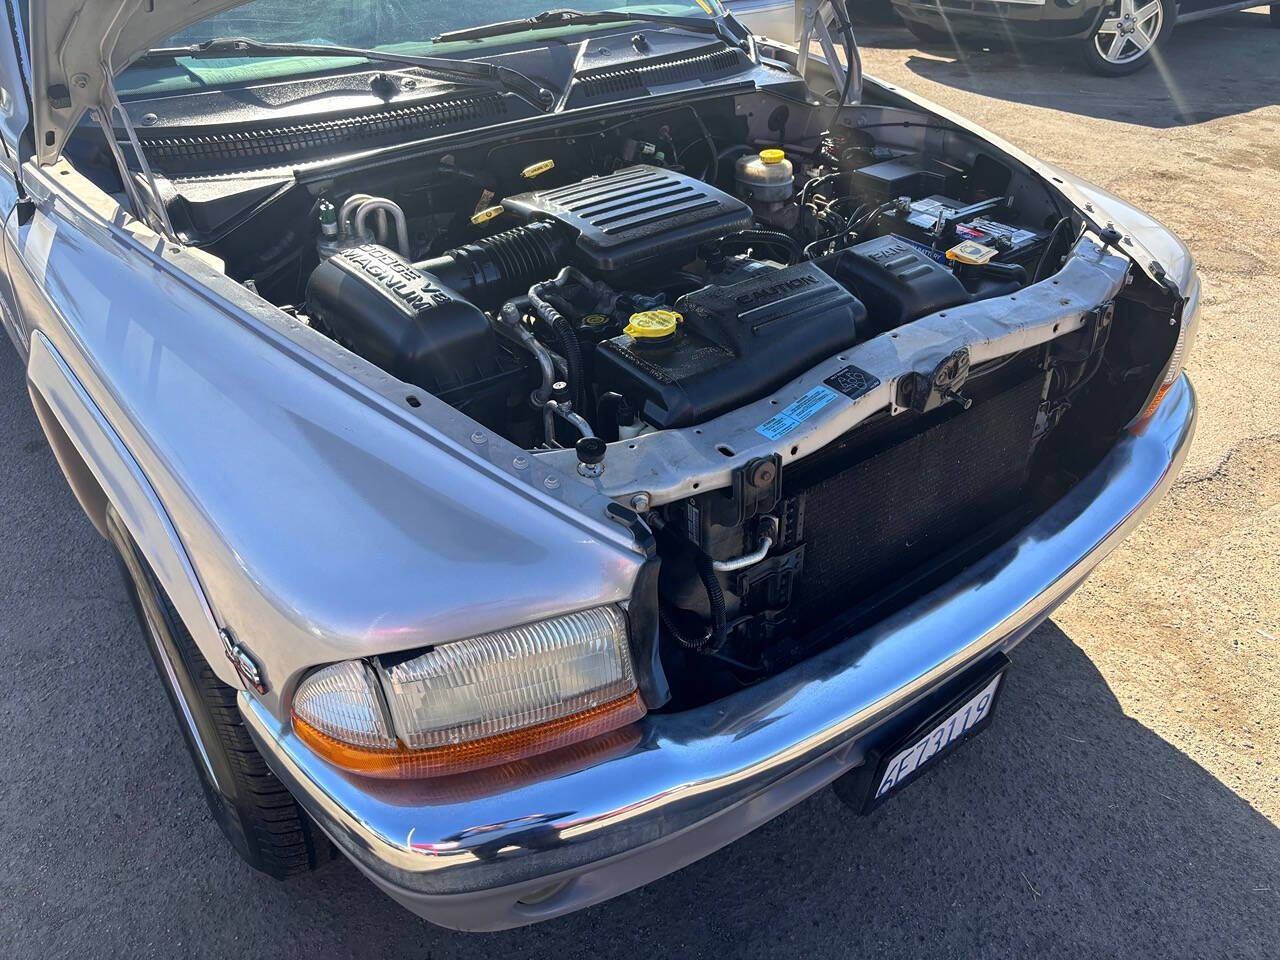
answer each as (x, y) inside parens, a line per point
(556, 18)
(458, 70)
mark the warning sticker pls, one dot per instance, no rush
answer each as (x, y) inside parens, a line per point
(790, 417)
(852, 381)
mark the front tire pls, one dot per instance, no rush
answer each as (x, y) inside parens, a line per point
(1128, 36)
(255, 811)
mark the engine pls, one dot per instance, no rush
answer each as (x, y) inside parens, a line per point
(648, 299)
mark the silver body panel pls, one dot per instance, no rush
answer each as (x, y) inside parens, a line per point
(700, 779)
(319, 518)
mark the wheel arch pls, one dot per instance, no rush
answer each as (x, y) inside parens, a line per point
(102, 473)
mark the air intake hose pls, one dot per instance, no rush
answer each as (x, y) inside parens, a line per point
(489, 271)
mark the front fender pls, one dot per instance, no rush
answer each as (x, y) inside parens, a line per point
(325, 517)
(100, 469)
(1145, 230)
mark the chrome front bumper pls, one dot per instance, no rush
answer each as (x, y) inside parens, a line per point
(695, 781)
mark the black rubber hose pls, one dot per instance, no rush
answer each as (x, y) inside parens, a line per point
(564, 333)
(1048, 249)
(715, 598)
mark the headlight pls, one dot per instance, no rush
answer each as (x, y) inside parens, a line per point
(1186, 336)
(473, 703)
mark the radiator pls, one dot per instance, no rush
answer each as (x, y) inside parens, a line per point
(885, 515)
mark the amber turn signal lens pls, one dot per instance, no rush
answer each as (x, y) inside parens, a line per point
(1155, 402)
(403, 763)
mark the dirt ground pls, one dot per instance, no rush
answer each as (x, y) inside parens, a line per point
(1126, 801)
(1184, 620)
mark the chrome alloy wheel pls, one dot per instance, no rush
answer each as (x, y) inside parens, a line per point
(1131, 32)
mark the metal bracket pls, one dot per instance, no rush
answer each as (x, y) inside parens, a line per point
(923, 392)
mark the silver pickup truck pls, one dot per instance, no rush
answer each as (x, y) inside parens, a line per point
(542, 451)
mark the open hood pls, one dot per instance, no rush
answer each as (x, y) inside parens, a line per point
(76, 46)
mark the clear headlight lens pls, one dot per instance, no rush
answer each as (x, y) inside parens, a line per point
(342, 702)
(515, 678)
(474, 703)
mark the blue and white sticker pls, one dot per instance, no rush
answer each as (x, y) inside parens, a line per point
(790, 417)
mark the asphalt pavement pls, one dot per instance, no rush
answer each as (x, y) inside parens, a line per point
(1123, 803)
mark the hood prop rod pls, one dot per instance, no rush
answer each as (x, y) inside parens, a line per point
(154, 211)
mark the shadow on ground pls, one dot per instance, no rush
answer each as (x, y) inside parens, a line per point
(1068, 829)
(1186, 85)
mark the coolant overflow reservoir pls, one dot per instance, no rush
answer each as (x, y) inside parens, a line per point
(765, 177)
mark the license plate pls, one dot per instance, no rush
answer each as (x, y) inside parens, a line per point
(933, 738)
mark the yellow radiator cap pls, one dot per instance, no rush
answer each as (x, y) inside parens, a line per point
(653, 324)
(772, 156)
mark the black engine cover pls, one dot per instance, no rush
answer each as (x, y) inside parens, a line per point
(413, 325)
(639, 219)
(736, 344)
(897, 282)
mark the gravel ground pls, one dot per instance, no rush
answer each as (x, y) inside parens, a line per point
(1125, 802)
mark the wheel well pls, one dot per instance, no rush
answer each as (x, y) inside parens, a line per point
(92, 498)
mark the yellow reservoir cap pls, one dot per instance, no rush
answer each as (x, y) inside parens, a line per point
(653, 324)
(971, 253)
(537, 169)
(772, 156)
(487, 214)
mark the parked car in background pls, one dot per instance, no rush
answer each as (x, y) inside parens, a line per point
(542, 452)
(775, 19)
(1114, 37)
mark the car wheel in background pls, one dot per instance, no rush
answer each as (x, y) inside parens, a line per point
(254, 809)
(1128, 36)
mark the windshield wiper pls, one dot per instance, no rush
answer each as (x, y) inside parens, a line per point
(467, 71)
(557, 18)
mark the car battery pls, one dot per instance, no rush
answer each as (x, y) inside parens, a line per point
(937, 223)
(1015, 244)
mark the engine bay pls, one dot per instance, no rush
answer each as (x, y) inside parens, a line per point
(677, 286)
(585, 293)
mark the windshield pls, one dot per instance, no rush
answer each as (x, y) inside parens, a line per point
(375, 23)
(405, 26)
